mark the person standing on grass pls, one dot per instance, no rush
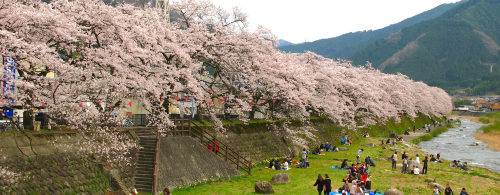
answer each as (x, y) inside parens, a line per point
(405, 165)
(436, 190)
(320, 182)
(464, 192)
(448, 191)
(359, 152)
(303, 159)
(424, 168)
(404, 156)
(394, 160)
(328, 185)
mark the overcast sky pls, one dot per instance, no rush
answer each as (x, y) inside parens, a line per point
(296, 21)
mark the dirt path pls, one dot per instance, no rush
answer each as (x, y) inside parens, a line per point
(417, 134)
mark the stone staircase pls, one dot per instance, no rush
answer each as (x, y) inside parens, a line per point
(146, 159)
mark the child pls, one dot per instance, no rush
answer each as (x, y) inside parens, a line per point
(436, 190)
(463, 192)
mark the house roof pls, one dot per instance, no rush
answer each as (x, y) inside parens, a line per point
(481, 101)
(492, 102)
(496, 107)
(479, 105)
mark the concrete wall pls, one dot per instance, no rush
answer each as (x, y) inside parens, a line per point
(184, 161)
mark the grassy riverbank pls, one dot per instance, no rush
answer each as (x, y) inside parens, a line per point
(479, 181)
(490, 134)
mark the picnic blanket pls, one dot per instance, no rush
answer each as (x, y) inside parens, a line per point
(366, 193)
(339, 168)
(345, 168)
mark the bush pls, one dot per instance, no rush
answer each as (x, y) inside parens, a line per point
(433, 134)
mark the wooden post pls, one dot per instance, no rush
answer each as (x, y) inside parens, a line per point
(226, 153)
(238, 162)
(189, 123)
(201, 136)
(250, 167)
(215, 148)
(182, 128)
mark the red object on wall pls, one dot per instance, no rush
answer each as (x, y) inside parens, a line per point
(130, 104)
(176, 98)
(219, 101)
(185, 98)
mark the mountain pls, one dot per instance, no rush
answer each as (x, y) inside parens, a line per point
(454, 50)
(284, 43)
(344, 46)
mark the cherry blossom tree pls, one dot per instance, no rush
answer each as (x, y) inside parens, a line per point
(103, 56)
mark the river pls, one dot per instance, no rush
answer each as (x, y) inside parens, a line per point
(456, 145)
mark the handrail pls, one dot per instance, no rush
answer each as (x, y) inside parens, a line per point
(157, 149)
(229, 154)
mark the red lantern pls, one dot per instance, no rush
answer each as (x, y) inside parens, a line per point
(80, 104)
(266, 99)
(209, 103)
(130, 104)
(1, 101)
(176, 98)
(223, 99)
(261, 101)
(219, 101)
(98, 101)
(43, 104)
(274, 100)
(161, 99)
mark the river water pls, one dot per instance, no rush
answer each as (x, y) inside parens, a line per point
(456, 145)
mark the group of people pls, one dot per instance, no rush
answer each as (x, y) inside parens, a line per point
(365, 134)
(415, 170)
(284, 165)
(346, 141)
(166, 191)
(456, 163)
(448, 191)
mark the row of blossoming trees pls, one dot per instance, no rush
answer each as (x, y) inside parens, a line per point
(105, 55)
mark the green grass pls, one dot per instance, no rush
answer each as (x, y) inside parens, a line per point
(383, 177)
(493, 119)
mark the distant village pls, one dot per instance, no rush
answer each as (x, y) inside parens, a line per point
(480, 104)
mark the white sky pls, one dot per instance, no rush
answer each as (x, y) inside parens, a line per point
(296, 21)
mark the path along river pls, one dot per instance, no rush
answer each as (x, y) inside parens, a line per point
(456, 144)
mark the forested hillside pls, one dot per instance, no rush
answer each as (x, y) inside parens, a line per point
(454, 50)
(344, 46)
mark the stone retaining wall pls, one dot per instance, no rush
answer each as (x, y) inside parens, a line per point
(61, 173)
(257, 146)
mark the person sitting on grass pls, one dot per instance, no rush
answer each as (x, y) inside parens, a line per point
(277, 165)
(464, 167)
(285, 166)
(271, 163)
(344, 165)
(334, 149)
